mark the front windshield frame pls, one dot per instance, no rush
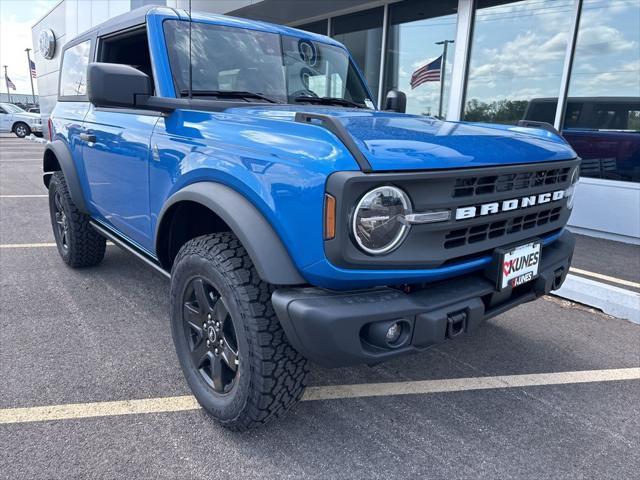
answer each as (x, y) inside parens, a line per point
(337, 82)
(11, 108)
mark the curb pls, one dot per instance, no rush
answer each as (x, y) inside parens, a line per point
(614, 301)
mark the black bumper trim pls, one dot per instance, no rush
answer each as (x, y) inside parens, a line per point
(325, 326)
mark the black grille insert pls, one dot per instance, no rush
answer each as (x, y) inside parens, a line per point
(479, 233)
(474, 186)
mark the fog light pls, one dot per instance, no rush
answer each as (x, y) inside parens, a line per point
(393, 332)
(387, 334)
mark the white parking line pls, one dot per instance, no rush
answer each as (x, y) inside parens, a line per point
(334, 392)
(24, 196)
(579, 271)
(27, 245)
(605, 277)
(2, 160)
(35, 245)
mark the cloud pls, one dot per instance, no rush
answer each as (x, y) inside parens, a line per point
(526, 55)
(602, 40)
(625, 77)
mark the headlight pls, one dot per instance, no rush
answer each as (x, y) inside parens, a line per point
(376, 221)
(570, 192)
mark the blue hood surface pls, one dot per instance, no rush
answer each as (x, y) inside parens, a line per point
(395, 142)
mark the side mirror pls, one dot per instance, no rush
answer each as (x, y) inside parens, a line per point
(396, 101)
(116, 85)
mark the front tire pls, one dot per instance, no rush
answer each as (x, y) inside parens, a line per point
(231, 347)
(79, 245)
(21, 130)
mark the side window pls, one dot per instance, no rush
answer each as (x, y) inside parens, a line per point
(128, 48)
(73, 79)
(2, 110)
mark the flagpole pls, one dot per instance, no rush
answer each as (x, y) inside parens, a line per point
(6, 84)
(443, 67)
(33, 95)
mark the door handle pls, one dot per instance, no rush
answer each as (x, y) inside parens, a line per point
(87, 137)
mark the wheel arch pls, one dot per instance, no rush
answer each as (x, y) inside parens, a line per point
(57, 157)
(13, 127)
(208, 207)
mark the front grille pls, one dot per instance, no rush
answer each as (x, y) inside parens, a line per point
(479, 233)
(485, 185)
(434, 245)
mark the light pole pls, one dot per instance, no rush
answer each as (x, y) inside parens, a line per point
(33, 95)
(443, 68)
(6, 84)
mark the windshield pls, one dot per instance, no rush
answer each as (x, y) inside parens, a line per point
(11, 108)
(277, 68)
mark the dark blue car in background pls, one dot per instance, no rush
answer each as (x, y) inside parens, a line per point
(296, 221)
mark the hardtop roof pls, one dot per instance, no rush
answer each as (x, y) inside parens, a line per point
(138, 16)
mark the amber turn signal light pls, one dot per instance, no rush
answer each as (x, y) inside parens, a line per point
(329, 217)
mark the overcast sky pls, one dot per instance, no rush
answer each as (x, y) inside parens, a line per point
(16, 19)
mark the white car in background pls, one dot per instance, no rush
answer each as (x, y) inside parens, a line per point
(16, 120)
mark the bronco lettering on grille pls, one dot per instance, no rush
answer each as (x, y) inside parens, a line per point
(463, 213)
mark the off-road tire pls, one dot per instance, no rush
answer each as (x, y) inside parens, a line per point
(271, 374)
(21, 130)
(83, 247)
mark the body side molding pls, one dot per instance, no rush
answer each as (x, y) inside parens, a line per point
(269, 255)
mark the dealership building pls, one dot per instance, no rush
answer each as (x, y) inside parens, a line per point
(572, 63)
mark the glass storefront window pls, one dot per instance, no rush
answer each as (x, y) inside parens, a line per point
(602, 121)
(413, 50)
(361, 33)
(517, 56)
(320, 27)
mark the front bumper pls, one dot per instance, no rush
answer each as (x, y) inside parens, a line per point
(331, 328)
(36, 127)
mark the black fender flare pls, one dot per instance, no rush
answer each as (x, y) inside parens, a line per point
(60, 150)
(264, 246)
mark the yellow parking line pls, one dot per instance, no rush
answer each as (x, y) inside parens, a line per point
(600, 276)
(334, 392)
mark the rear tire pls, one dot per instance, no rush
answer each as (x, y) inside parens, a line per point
(221, 312)
(21, 130)
(79, 245)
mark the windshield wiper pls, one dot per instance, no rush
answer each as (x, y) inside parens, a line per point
(229, 94)
(328, 101)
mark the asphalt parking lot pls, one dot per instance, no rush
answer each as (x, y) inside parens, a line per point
(473, 408)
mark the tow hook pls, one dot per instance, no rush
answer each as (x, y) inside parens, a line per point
(456, 323)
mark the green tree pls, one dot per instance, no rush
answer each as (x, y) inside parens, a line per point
(500, 111)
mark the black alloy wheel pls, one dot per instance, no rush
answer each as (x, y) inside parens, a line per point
(61, 222)
(211, 336)
(231, 347)
(78, 243)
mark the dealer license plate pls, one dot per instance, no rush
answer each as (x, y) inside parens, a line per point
(519, 265)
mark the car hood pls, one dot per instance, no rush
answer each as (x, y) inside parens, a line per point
(26, 116)
(395, 142)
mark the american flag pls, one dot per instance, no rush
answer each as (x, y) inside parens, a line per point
(10, 84)
(32, 65)
(427, 73)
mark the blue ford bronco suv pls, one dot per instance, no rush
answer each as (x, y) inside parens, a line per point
(296, 221)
